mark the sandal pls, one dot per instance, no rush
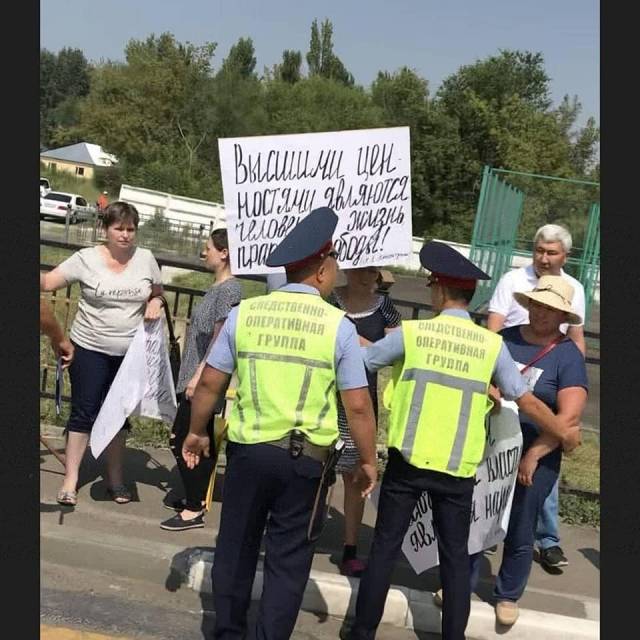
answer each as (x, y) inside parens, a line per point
(67, 498)
(120, 494)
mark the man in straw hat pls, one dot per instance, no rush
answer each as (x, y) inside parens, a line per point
(291, 350)
(436, 435)
(551, 246)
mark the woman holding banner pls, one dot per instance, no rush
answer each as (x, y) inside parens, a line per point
(374, 316)
(555, 372)
(206, 322)
(119, 287)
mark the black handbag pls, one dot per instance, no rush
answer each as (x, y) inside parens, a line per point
(174, 345)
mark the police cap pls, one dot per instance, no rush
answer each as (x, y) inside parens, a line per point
(310, 238)
(449, 266)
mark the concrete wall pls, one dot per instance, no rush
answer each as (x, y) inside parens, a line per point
(174, 207)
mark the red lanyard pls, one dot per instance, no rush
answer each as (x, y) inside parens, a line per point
(543, 353)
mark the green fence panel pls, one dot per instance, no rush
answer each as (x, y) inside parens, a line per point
(499, 218)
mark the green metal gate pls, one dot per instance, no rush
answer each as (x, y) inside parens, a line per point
(589, 270)
(494, 232)
(504, 195)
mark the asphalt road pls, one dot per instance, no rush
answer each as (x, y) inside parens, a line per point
(76, 599)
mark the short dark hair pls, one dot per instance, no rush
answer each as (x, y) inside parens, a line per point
(220, 239)
(118, 212)
(453, 293)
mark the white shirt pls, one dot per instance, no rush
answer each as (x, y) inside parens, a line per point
(525, 279)
(111, 304)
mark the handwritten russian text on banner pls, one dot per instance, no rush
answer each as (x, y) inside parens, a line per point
(492, 495)
(143, 386)
(272, 182)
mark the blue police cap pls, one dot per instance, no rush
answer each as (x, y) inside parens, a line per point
(309, 237)
(445, 262)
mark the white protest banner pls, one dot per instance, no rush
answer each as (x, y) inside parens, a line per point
(271, 182)
(492, 495)
(143, 386)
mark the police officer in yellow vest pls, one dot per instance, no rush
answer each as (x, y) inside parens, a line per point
(436, 435)
(291, 350)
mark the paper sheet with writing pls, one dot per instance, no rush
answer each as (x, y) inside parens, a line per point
(143, 386)
(492, 495)
(271, 182)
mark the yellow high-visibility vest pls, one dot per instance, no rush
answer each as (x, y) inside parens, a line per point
(285, 347)
(438, 395)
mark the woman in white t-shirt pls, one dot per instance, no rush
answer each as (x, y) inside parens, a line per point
(119, 286)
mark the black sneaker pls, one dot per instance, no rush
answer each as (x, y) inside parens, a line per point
(175, 505)
(553, 558)
(345, 631)
(178, 524)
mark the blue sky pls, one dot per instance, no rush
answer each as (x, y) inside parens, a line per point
(434, 37)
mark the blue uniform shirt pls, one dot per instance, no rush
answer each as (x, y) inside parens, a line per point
(350, 372)
(506, 375)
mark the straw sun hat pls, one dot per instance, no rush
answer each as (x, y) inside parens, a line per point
(554, 292)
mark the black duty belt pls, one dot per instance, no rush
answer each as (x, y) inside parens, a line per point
(298, 445)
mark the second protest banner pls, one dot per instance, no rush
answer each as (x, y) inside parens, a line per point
(271, 182)
(492, 495)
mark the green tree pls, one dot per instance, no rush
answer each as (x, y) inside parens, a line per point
(147, 111)
(64, 80)
(495, 79)
(241, 59)
(318, 104)
(320, 57)
(289, 69)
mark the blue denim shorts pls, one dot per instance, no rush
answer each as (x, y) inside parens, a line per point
(91, 374)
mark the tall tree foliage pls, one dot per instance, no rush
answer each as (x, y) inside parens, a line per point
(64, 80)
(164, 108)
(321, 59)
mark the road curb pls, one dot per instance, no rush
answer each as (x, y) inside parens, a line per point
(335, 595)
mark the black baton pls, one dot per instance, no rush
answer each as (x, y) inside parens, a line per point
(327, 478)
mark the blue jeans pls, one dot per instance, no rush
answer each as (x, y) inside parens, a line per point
(518, 544)
(91, 373)
(547, 531)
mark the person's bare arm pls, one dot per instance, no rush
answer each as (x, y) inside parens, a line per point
(61, 346)
(576, 333)
(154, 306)
(212, 386)
(495, 321)
(52, 280)
(362, 425)
(571, 403)
(565, 428)
(191, 385)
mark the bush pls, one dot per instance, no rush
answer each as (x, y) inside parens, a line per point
(108, 179)
(581, 510)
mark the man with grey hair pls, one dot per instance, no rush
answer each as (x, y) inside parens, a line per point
(551, 246)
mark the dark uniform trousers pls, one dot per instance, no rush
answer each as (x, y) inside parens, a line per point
(263, 485)
(451, 497)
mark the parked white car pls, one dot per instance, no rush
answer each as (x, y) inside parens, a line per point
(56, 204)
(45, 187)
